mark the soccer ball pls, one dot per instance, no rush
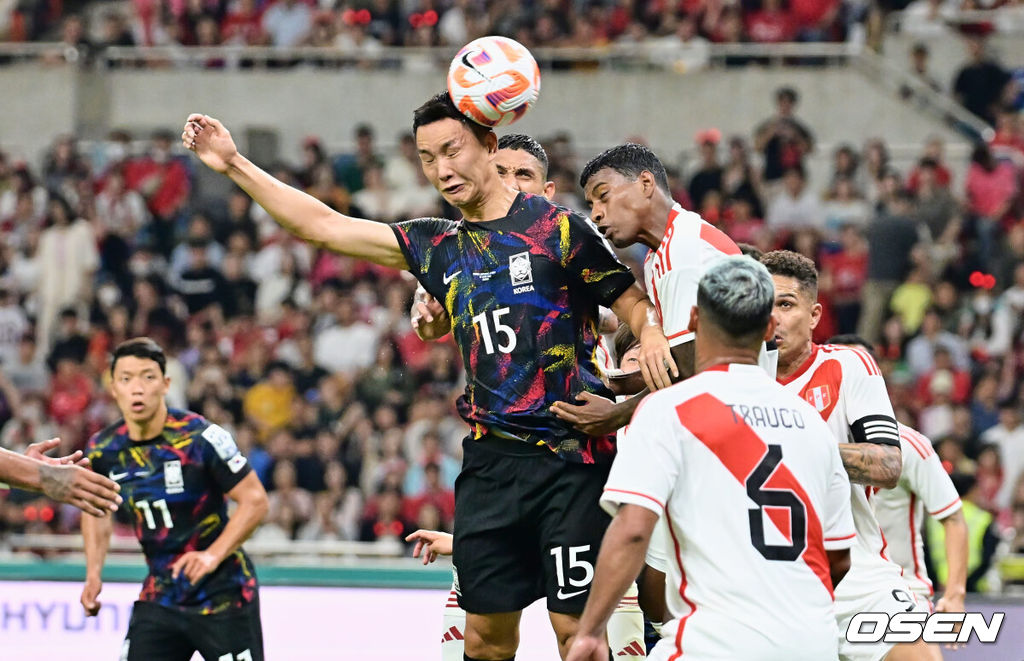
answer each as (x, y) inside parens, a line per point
(494, 81)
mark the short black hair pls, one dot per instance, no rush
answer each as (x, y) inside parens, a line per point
(787, 92)
(751, 251)
(628, 160)
(140, 347)
(853, 340)
(439, 107)
(521, 142)
(791, 264)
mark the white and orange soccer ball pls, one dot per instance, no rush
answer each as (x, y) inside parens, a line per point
(494, 80)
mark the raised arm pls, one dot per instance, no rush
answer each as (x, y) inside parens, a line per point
(301, 214)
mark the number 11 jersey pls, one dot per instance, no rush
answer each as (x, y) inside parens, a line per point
(522, 292)
(174, 489)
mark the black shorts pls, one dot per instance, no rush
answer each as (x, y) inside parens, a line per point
(527, 525)
(158, 633)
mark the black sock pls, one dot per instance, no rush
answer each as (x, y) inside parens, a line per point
(466, 657)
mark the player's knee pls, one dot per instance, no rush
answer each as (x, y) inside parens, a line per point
(490, 642)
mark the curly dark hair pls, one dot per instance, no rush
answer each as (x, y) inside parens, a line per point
(790, 264)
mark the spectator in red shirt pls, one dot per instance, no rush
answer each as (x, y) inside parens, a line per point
(242, 26)
(771, 23)
(815, 19)
(934, 153)
(384, 519)
(71, 392)
(961, 391)
(434, 494)
(991, 188)
(843, 274)
(1009, 131)
(163, 181)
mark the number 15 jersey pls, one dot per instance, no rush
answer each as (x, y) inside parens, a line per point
(522, 292)
(754, 492)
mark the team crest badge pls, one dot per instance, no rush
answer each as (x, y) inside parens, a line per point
(819, 398)
(520, 269)
(174, 481)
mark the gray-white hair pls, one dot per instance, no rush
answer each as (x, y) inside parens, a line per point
(737, 295)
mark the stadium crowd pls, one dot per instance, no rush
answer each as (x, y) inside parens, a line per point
(309, 359)
(363, 27)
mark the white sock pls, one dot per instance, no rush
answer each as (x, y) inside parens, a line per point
(626, 628)
(452, 644)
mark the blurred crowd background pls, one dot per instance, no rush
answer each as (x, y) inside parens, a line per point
(365, 26)
(309, 359)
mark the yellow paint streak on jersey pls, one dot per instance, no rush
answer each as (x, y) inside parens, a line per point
(565, 354)
(563, 237)
(209, 524)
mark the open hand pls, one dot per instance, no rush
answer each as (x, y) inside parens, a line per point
(38, 452)
(88, 491)
(431, 543)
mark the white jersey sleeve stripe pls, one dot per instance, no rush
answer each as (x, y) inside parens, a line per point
(636, 498)
(939, 511)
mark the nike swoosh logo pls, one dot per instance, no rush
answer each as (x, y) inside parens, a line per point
(117, 477)
(569, 595)
(448, 278)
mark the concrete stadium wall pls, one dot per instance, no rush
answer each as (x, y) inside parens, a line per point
(597, 108)
(949, 54)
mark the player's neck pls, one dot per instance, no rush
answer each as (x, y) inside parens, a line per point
(710, 351)
(143, 430)
(493, 204)
(788, 368)
(657, 223)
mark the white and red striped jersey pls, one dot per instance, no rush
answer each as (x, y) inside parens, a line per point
(753, 492)
(924, 486)
(846, 387)
(671, 273)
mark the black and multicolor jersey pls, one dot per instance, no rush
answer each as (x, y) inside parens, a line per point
(522, 292)
(174, 489)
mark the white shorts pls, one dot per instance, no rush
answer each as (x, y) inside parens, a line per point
(874, 592)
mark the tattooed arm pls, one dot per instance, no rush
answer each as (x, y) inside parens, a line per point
(66, 483)
(872, 464)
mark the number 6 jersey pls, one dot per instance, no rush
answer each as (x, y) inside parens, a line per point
(753, 490)
(522, 292)
(174, 489)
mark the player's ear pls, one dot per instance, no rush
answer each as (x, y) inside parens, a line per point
(694, 319)
(647, 183)
(769, 333)
(549, 189)
(815, 315)
(491, 142)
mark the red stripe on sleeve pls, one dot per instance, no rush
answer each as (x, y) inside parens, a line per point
(637, 493)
